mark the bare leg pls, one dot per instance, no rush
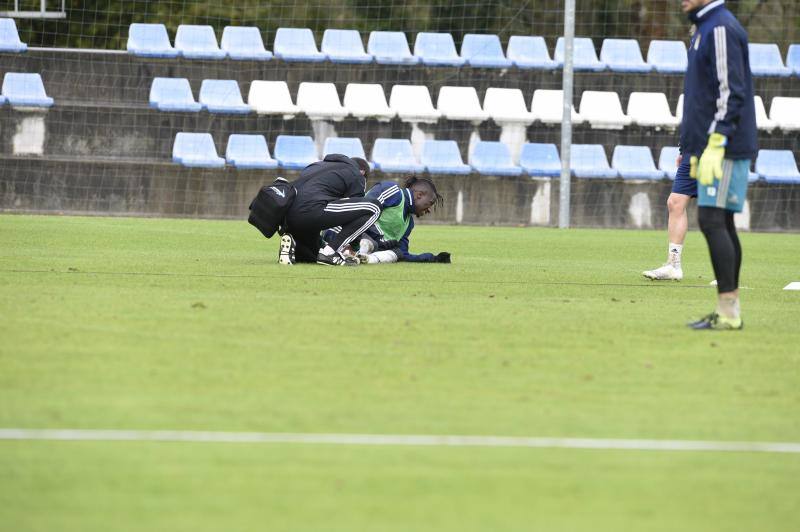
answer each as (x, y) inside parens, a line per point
(678, 224)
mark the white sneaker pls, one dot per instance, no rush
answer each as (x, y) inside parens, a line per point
(667, 272)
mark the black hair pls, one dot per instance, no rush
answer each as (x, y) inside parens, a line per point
(438, 199)
(362, 165)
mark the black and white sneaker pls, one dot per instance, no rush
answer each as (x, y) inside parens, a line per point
(336, 260)
(286, 250)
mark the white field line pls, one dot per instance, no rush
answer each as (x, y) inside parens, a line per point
(395, 440)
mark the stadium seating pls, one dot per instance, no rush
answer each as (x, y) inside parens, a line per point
(529, 52)
(603, 110)
(584, 55)
(173, 94)
(785, 112)
(395, 155)
(367, 101)
(623, 55)
(296, 44)
(651, 109)
(460, 103)
(295, 152)
(437, 49)
(25, 90)
(484, 51)
(762, 121)
(765, 60)
(793, 58)
(197, 42)
(222, 96)
(412, 103)
(667, 160)
(493, 158)
(546, 107)
(3, 99)
(506, 105)
(249, 152)
(679, 108)
(540, 160)
(196, 150)
(271, 97)
(344, 46)
(9, 37)
(443, 157)
(777, 166)
(244, 43)
(350, 146)
(635, 162)
(150, 40)
(320, 101)
(589, 160)
(668, 57)
(390, 48)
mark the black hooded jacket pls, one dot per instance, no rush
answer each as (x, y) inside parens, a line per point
(335, 177)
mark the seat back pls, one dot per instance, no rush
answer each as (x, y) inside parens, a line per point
(344, 46)
(528, 51)
(149, 40)
(483, 50)
(366, 100)
(413, 103)
(623, 55)
(271, 97)
(441, 154)
(667, 56)
(173, 94)
(199, 42)
(9, 37)
(390, 47)
(506, 105)
(244, 42)
(540, 159)
(296, 44)
(437, 49)
(350, 146)
(295, 151)
(584, 54)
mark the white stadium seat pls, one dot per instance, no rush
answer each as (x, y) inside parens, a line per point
(603, 110)
(546, 105)
(320, 101)
(367, 101)
(762, 121)
(785, 112)
(506, 105)
(412, 103)
(460, 103)
(651, 109)
(271, 98)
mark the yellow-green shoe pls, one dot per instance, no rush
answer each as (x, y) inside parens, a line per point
(715, 322)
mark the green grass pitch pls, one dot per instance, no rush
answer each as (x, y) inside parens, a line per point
(112, 323)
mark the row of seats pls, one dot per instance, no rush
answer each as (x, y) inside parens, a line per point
(24, 90)
(413, 103)
(434, 49)
(444, 157)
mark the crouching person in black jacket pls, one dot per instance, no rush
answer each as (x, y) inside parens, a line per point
(330, 193)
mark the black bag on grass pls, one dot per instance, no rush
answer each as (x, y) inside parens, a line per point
(269, 207)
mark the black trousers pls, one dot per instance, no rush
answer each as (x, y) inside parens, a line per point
(305, 221)
(723, 245)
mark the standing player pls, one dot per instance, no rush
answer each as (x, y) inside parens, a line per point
(718, 135)
(683, 189)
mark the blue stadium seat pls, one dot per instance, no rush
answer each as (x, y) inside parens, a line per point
(529, 52)
(668, 57)
(150, 40)
(777, 166)
(25, 90)
(297, 44)
(390, 48)
(765, 60)
(793, 58)
(344, 46)
(493, 158)
(395, 155)
(249, 152)
(666, 161)
(244, 43)
(540, 160)
(173, 94)
(623, 55)
(443, 157)
(584, 56)
(484, 51)
(350, 146)
(9, 37)
(198, 42)
(295, 152)
(635, 162)
(589, 160)
(437, 49)
(196, 150)
(222, 96)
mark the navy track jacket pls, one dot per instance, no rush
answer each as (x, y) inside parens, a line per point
(718, 88)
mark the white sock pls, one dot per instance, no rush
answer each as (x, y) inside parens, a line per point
(365, 246)
(328, 251)
(674, 254)
(382, 257)
(728, 307)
